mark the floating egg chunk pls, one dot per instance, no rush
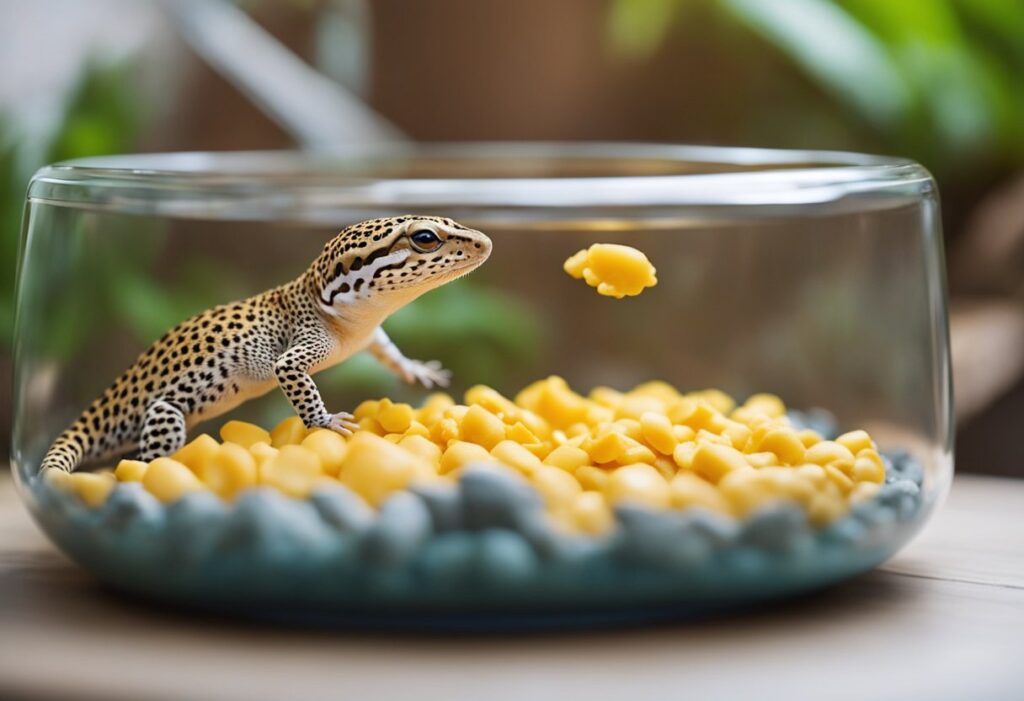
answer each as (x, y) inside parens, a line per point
(614, 270)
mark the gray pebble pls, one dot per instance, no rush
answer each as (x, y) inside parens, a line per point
(130, 505)
(660, 538)
(496, 498)
(874, 514)
(844, 531)
(902, 466)
(447, 560)
(194, 523)
(342, 508)
(779, 527)
(269, 526)
(505, 558)
(902, 496)
(544, 537)
(444, 503)
(402, 526)
(718, 529)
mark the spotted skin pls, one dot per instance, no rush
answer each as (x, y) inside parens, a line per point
(211, 363)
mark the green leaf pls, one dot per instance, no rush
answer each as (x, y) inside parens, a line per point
(831, 46)
(638, 27)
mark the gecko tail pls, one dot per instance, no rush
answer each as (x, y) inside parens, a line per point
(66, 453)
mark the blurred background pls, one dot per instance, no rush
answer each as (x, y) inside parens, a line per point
(939, 81)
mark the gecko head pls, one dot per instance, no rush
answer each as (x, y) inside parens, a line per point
(385, 263)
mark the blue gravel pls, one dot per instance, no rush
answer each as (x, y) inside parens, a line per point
(483, 543)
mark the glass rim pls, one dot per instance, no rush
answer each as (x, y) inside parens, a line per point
(468, 176)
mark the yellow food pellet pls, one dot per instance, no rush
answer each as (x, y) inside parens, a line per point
(615, 270)
(872, 455)
(785, 444)
(131, 470)
(683, 455)
(692, 412)
(567, 457)
(516, 456)
(824, 509)
(92, 488)
(856, 441)
(490, 399)
(371, 425)
(291, 431)
(765, 459)
(739, 435)
(591, 513)
(457, 412)
(867, 470)
(787, 482)
(262, 451)
(540, 449)
(417, 429)
(809, 437)
(665, 466)
(815, 474)
(244, 433)
(826, 452)
(196, 452)
(433, 409)
(374, 468)
(683, 433)
(657, 388)
(634, 406)
(765, 404)
(639, 483)
(657, 431)
(591, 477)
(712, 462)
(482, 427)
(557, 487)
(746, 490)
(519, 433)
(295, 470)
(864, 491)
(396, 418)
(637, 452)
(329, 447)
(168, 480)
(840, 479)
(460, 453)
(718, 399)
(444, 431)
(366, 410)
(706, 436)
(228, 471)
(608, 448)
(422, 447)
(687, 489)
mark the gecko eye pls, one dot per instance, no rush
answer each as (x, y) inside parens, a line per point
(425, 241)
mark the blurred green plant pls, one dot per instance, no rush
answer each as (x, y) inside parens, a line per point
(100, 116)
(477, 332)
(938, 80)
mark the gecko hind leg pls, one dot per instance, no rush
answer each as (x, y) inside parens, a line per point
(163, 430)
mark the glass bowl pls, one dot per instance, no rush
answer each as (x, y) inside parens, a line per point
(814, 276)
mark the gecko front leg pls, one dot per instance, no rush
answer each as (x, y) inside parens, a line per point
(427, 373)
(292, 371)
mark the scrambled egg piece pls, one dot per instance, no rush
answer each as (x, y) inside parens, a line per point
(616, 271)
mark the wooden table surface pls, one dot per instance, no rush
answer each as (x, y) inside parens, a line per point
(942, 620)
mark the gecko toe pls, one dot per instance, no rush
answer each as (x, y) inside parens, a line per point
(343, 423)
